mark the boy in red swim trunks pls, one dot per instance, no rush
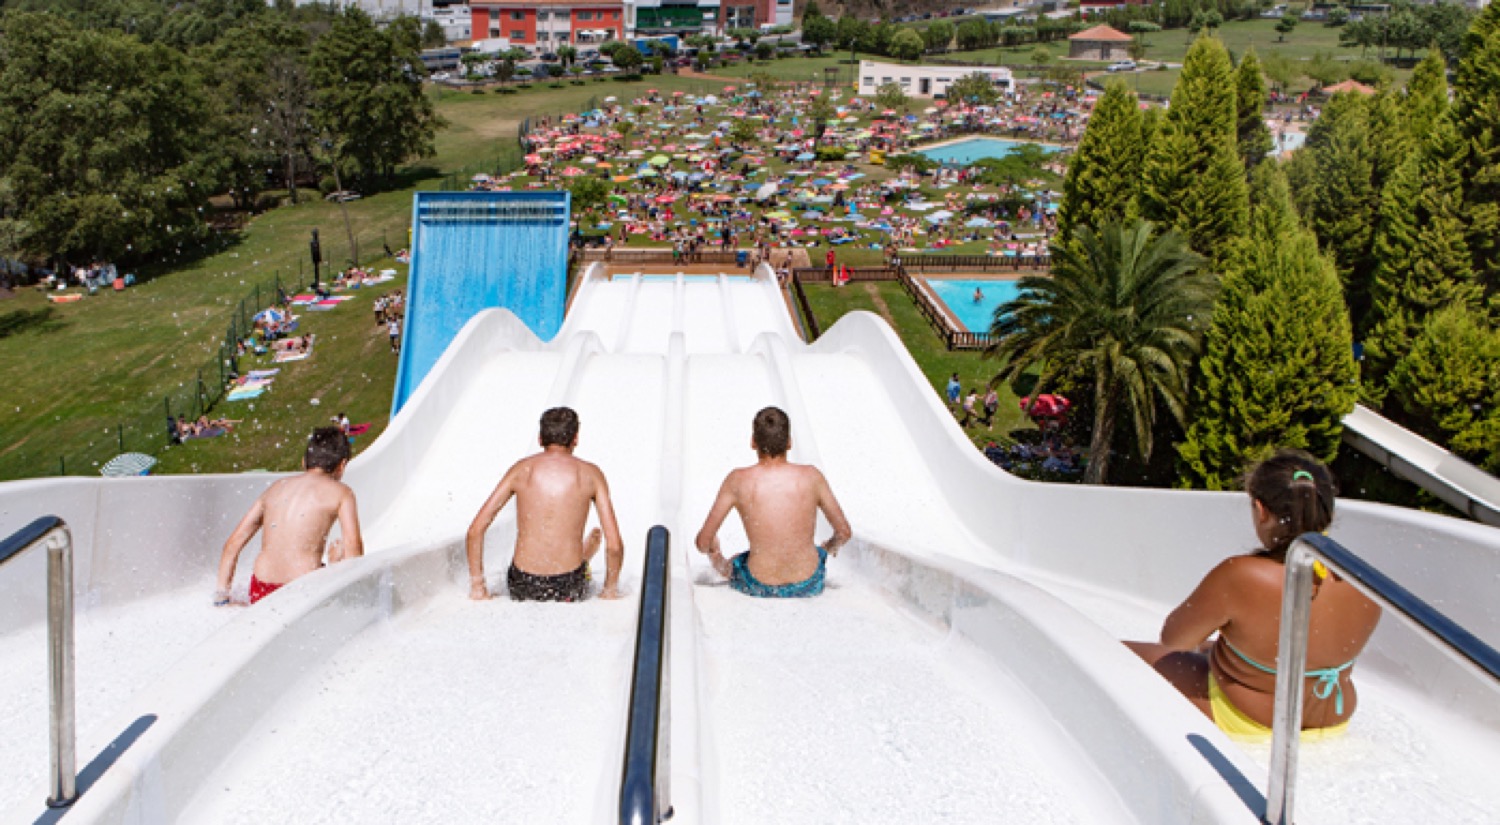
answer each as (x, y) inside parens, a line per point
(297, 514)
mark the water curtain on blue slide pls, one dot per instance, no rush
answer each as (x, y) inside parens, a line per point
(473, 251)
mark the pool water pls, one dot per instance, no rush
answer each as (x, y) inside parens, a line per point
(965, 152)
(976, 316)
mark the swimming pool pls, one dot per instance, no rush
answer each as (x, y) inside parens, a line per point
(965, 152)
(959, 296)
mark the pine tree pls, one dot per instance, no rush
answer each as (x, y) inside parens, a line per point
(1192, 179)
(1100, 186)
(1250, 101)
(1278, 366)
(1421, 245)
(1476, 112)
(1427, 94)
(1448, 384)
(1343, 203)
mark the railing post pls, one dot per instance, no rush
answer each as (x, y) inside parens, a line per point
(60, 657)
(1291, 665)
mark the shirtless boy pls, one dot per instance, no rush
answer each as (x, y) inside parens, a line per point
(778, 502)
(297, 513)
(553, 490)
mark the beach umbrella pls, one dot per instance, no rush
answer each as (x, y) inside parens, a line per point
(730, 88)
(480, 178)
(765, 191)
(659, 160)
(634, 153)
(648, 172)
(588, 159)
(778, 215)
(674, 94)
(572, 172)
(622, 178)
(974, 223)
(532, 158)
(806, 156)
(665, 198)
(274, 316)
(125, 465)
(603, 164)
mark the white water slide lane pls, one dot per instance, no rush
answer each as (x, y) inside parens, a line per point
(963, 666)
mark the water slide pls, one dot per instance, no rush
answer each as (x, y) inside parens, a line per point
(962, 667)
(1460, 484)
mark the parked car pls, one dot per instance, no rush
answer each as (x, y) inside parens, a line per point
(549, 57)
(1122, 66)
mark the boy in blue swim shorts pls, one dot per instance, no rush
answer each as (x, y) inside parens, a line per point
(778, 503)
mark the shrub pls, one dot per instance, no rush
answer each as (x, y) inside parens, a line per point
(830, 152)
(327, 184)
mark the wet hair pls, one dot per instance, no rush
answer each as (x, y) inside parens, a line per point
(559, 427)
(1298, 490)
(327, 448)
(771, 432)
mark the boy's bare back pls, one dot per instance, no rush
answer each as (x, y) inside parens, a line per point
(778, 502)
(553, 493)
(297, 514)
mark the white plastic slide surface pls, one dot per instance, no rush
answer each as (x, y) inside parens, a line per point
(1410, 456)
(963, 666)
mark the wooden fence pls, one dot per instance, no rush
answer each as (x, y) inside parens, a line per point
(810, 331)
(1013, 263)
(663, 257)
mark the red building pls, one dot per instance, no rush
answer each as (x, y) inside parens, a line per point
(543, 25)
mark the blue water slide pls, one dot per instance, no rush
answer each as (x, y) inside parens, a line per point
(473, 251)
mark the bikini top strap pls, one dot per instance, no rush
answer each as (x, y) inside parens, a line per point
(1327, 678)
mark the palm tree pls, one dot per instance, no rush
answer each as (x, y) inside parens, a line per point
(1125, 307)
(566, 55)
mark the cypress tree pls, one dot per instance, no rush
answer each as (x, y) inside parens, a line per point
(1250, 100)
(1277, 368)
(1476, 112)
(1100, 186)
(1427, 94)
(1423, 253)
(1343, 203)
(1192, 179)
(1448, 384)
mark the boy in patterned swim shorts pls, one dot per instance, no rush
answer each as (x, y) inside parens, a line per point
(553, 491)
(778, 503)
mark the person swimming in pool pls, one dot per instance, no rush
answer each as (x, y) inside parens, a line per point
(978, 295)
(296, 514)
(553, 491)
(1232, 679)
(778, 503)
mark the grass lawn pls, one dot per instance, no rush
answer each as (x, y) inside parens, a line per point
(890, 301)
(74, 372)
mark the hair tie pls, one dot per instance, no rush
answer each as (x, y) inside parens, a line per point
(1302, 475)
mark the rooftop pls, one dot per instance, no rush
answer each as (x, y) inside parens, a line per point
(1103, 33)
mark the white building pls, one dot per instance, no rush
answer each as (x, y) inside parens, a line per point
(924, 81)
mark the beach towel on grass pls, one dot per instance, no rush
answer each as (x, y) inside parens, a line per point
(245, 395)
(211, 432)
(283, 357)
(256, 375)
(359, 429)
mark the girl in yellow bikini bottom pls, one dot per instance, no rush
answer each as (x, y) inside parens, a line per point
(1242, 728)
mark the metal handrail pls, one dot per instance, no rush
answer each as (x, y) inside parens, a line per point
(54, 532)
(645, 781)
(1291, 657)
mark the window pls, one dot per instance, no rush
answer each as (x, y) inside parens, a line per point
(584, 15)
(614, 15)
(541, 15)
(518, 15)
(494, 31)
(868, 81)
(884, 80)
(540, 36)
(517, 34)
(905, 81)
